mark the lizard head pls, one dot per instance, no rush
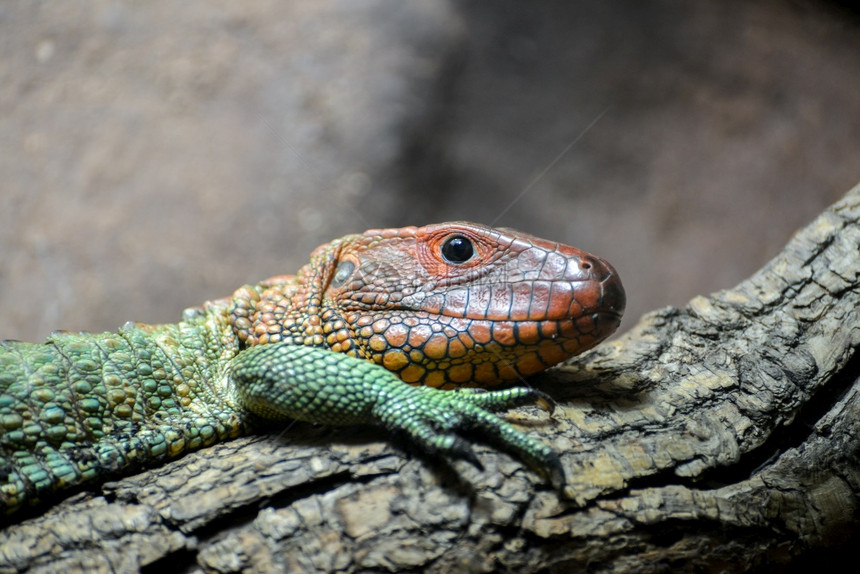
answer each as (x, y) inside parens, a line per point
(443, 305)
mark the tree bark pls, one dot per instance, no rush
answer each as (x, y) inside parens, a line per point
(721, 436)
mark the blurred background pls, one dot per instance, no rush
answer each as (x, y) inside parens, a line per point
(157, 154)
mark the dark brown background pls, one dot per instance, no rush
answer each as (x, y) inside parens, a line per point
(157, 154)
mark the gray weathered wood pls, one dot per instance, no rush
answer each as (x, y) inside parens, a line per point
(723, 435)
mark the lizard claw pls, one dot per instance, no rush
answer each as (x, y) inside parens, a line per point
(507, 398)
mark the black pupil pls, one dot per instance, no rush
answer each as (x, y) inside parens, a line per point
(457, 249)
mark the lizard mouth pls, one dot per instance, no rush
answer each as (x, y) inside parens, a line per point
(450, 351)
(559, 320)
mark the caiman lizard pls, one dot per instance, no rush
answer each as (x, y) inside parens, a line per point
(447, 306)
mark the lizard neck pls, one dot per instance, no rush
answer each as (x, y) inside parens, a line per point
(289, 308)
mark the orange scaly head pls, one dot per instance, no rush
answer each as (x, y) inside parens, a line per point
(442, 305)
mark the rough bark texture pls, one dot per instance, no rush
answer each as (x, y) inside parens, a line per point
(725, 435)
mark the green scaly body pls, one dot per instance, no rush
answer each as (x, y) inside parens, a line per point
(85, 406)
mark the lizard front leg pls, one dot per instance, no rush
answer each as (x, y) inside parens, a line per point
(282, 381)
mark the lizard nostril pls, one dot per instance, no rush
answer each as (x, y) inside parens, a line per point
(586, 268)
(595, 267)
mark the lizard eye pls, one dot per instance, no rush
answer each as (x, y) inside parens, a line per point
(457, 249)
(342, 273)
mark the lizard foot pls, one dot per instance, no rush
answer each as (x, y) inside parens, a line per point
(435, 419)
